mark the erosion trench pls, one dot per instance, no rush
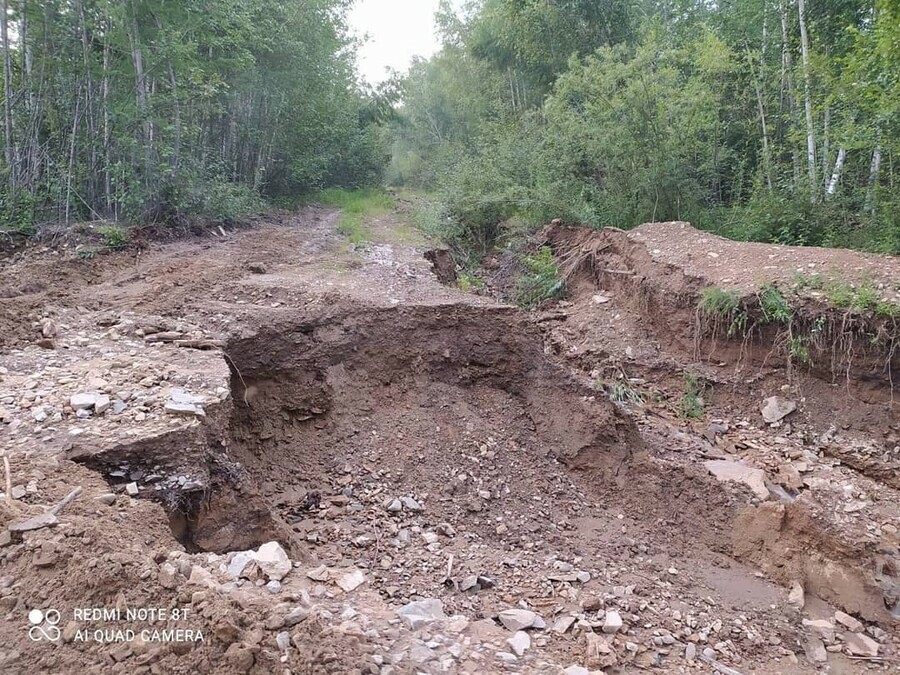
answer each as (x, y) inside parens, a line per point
(443, 449)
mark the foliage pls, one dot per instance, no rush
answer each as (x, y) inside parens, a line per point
(622, 392)
(541, 280)
(589, 112)
(114, 236)
(773, 305)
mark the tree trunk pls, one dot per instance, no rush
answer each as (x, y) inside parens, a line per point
(807, 96)
(836, 174)
(874, 169)
(787, 90)
(8, 148)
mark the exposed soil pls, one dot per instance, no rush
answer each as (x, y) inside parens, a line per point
(403, 441)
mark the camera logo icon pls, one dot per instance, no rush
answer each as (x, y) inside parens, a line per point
(44, 625)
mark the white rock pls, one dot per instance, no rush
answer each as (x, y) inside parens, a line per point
(274, 586)
(351, 580)
(132, 489)
(320, 573)
(102, 404)
(690, 651)
(283, 640)
(273, 561)
(576, 670)
(239, 562)
(849, 622)
(421, 612)
(726, 470)
(184, 409)
(612, 622)
(517, 619)
(39, 414)
(861, 645)
(519, 642)
(796, 597)
(563, 624)
(776, 408)
(411, 504)
(82, 401)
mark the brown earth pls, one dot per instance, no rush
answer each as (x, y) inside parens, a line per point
(276, 384)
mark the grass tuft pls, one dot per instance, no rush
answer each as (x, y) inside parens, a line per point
(357, 206)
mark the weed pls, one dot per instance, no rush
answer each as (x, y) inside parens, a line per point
(719, 303)
(775, 308)
(621, 392)
(799, 350)
(469, 282)
(813, 281)
(114, 236)
(866, 297)
(693, 402)
(541, 281)
(724, 306)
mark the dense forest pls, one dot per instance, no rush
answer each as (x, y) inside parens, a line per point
(770, 120)
(154, 110)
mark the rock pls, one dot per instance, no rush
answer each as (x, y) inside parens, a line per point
(411, 504)
(257, 267)
(82, 401)
(849, 622)
(600, 299)
(48, 328)
(795, 597)
(598, 653)
(519, 642)
(717, 429)
(44, 558)
(18, 492)
(517, 619)
(583, 577)
(295, 616)
(469, 582)
(37, 522)
(320, 574)
(563, 624)
(239, 562)
(109, 498)
(167, 572)
(815, 650)
(351, 580)
(821, 627)
(726, 470)
(421, 612)
(612, 622)
(39, 414)
(132, 489)
(283, 640)
(394, 506)
(102, 404)
(274, 586)
(273, 561)
(186, 409)
(690, 651)
(5, 538)
(776, 408)
(858, 644)
(576, 670)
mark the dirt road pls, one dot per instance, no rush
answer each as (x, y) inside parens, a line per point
(452, 488)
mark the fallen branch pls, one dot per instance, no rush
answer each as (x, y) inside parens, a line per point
(65, 501)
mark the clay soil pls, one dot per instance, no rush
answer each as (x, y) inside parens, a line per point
(403, 440)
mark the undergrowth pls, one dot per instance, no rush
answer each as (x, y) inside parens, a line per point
(541, 280)
(693, 401)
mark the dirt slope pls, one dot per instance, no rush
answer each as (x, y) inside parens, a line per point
(404, 442)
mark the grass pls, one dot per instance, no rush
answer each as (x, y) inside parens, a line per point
(540, 281)
(693, 403)
(861, 298)
(774, 307)
(724, 306)
(357, 206)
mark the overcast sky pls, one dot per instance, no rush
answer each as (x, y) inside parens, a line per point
(397, 29)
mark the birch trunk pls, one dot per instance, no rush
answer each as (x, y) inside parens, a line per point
(807, 96)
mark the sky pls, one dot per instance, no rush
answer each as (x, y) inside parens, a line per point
(397, 29)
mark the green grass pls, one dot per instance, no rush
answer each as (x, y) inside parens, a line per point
(540, 281)
(357, 206)
(693, 403)
(774, 307)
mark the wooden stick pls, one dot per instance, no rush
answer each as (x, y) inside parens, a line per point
(65, 501)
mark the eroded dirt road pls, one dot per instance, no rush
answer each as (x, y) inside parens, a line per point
(450, 489)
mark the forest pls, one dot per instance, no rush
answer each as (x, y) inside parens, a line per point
(767, 120)
(760, 120)
(161, 110)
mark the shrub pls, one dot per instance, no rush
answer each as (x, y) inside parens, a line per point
(540, 281)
